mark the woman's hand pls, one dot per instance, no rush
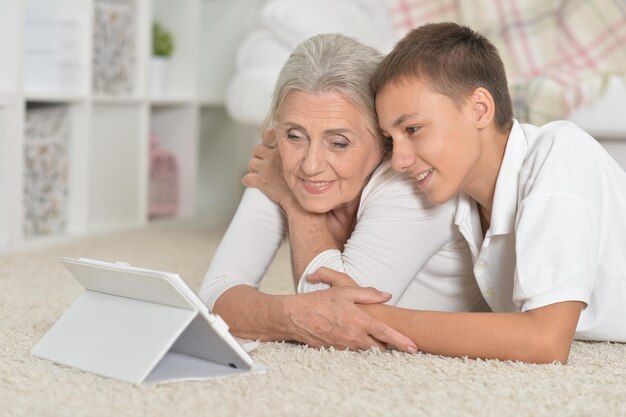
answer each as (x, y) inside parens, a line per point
(332, 318)
(265, 173)
(353, 322)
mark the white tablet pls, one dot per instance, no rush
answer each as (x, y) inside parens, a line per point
(141, 325)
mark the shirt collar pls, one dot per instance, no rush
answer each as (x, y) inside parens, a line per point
(504, 208)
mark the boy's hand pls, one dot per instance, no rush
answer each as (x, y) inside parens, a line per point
(332, 318)
(332, 278)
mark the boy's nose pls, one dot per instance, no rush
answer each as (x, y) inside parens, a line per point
(402, 156)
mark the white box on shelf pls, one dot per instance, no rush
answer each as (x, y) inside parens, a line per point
(53, 54)
(48, 75)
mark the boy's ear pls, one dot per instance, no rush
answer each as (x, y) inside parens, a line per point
(483, 107)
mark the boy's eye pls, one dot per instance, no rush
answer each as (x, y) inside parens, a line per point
(412, 130)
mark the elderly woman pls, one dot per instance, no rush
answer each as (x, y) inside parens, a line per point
(323, 177)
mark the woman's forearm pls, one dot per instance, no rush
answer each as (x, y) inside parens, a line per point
(251, 314)
(325, 318)
(309, 235)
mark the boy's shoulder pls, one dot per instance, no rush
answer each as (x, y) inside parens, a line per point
(561, 140)
(560, 157)
(560, 132)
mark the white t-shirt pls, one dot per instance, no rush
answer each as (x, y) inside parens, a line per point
(401, 244)
(558, 229)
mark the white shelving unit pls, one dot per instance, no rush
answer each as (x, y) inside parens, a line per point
(108, 147)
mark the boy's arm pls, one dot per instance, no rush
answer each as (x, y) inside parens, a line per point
(542, 335)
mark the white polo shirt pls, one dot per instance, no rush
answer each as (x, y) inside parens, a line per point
(558, 229)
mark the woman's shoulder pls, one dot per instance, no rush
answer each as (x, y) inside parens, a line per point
(385, 176)
(395, 189)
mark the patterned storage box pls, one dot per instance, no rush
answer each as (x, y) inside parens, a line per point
(113, 47)
(163, 182)
(46, 168)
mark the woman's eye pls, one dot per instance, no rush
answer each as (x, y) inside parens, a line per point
(293, 136)
(340, 143)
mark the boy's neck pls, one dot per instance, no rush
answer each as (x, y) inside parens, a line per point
(484, 176)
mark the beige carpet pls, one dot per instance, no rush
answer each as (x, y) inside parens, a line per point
(35, 290)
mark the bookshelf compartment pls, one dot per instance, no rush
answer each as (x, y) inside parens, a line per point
(115, 175)
(46, 167)
(180, 73)
(10, 16)
(175, 128)
(91, 58)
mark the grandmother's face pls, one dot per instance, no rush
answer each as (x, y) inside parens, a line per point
(326, 149)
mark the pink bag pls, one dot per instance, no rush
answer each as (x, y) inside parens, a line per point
(163, 182)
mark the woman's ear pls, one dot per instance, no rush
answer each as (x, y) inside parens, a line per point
(483, 107)
(269, 137)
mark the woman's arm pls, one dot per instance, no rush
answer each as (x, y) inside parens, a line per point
(397, 231)
(247, 248)
(542, 335)
(309, 233)
(328, 318)
(242, 259)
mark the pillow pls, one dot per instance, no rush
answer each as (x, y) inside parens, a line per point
(249, 94)
(292, 21)
(260, 49)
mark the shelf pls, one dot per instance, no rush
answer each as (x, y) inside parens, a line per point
(112, 100)
(172, 101)
(54, 98)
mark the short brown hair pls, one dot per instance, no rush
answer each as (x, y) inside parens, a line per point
(453, 60)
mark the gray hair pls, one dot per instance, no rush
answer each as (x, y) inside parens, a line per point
(330, 62)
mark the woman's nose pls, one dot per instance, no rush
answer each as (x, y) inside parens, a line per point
(402, 156)
(314, 160)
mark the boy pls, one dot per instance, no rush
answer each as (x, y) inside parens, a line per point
(541, 207)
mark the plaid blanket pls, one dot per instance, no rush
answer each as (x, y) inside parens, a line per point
(558, 53)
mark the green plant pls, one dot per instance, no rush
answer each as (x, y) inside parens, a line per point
(162, 41)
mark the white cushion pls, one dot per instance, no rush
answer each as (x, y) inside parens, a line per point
(249, 94)
(292, 21)
(286, 23)
(261, 49)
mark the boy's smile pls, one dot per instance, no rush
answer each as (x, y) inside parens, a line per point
(434, 140)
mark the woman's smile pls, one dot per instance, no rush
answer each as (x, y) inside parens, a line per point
(317, 187)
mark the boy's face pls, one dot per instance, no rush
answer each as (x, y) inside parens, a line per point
(434, 140)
